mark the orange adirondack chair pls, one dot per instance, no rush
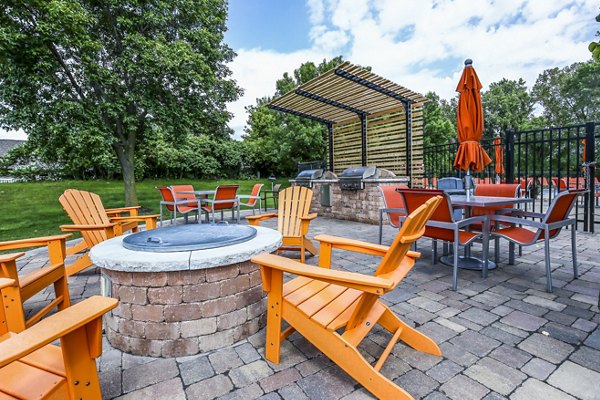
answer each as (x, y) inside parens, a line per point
(96, 224)
(34, 282)
(293, 219)
(32, 368)
(321, 303)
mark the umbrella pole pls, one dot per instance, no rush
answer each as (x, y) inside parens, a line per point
(468, 184)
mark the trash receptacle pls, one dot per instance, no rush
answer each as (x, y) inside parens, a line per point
(326, 195)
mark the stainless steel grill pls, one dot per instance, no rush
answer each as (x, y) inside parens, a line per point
(353, 178)
(306, 177)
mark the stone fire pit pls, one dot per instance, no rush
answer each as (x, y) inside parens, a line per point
(183, 302)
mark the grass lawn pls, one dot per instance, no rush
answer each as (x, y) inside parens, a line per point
(32, 209)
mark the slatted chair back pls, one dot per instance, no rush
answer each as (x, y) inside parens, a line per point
(412, 229)
(225, 192)
(393, 199)
(294, 203)
(85, 208)
(254, 195)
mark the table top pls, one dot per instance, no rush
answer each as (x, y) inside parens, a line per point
(485, 201)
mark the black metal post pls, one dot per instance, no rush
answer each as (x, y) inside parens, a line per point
(363, 139)
(408, 109)
(510, 156)
(330, 130)
(590, 157)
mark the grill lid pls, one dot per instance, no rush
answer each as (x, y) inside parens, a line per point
(310, 174)
(188, 237)
(358, 172)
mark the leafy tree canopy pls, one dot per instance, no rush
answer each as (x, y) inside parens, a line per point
(276, 141)
(439, 121)
(570, 95)
(82, 76)
(507, 105)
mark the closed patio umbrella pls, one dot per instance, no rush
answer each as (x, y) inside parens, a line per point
(469, 123)
(498, 157)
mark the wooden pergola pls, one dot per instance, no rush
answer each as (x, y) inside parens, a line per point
(370, 119)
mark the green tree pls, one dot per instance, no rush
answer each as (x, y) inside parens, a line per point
(98, 75)
(507, 105)
(570, 95)
(276, 141)
(439, 121)
(594, 47)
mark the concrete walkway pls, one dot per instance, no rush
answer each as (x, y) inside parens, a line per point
(502, 337)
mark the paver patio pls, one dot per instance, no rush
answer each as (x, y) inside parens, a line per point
(501, 337)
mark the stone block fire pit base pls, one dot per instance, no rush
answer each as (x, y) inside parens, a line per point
(180, 313)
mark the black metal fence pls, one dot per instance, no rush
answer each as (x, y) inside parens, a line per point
(544, 161)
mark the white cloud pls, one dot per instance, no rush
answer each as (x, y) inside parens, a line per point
(16, 135)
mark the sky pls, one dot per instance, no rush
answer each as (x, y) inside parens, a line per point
(421, 44)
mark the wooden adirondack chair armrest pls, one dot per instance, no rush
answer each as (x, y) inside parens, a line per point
(77, 228)
(4, 258)
(140, 218)
(34, 242)
(133, 211)
(357, 246)
(309, 217)
(254, 220)
(5, 282)
(84, 314)
(365, 283)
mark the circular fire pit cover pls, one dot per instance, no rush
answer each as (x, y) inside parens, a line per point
(188, 237)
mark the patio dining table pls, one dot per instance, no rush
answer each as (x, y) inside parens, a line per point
(467, 261)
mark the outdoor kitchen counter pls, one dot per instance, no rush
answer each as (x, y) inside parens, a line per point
(183, 303)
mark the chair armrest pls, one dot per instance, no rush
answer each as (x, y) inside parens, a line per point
(254, 220)
(4, 258)
(472, 220)
(134, 218)
(365, 283)
(77, 228)
(55, 326)
(393, 210)
(33, 242)
(527, 214)
(357, 246)
(247, 196)
(5, 282)
(309, 217)
(516, 221)
(131, 210)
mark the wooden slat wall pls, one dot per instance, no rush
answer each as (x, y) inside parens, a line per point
(386, 142)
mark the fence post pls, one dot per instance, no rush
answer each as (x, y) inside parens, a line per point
(509, 150)
(590, 157)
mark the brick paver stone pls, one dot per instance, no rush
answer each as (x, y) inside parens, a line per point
(249, 373)
(195, 370)
(171, 389)
(279, 379)
(463, 388)
(148, 374)
(416, 383)
(594, 340)
(538, 368)
(510, 356)
(577, 380)
(546, 347)
(587, 357)
(524, 321)
(331, 383)
(444, 371)
(476, 343)
(495, 375)
(534, 389)
(210, 388)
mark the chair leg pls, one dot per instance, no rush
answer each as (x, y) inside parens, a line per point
(380, 229)
(455, 267)
(511, 253)
(548, 268)
(497, 250)
(574, 253)
(486, 252)
(433, 251)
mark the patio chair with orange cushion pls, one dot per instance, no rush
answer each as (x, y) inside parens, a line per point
(442, 226)
(253, 198)
(225, 198)
(31, 367)
(393, 206)
(335, 310)
(29, 284)
(560, 184)
(293, 218)
(96, 224)
(179, 199)
(548, 227)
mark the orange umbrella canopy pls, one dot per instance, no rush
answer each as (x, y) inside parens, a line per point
(469, 122)
(498, 155)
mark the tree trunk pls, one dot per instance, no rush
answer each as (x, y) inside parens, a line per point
(126, 157)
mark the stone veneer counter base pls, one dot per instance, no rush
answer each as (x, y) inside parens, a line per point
(183, 303)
